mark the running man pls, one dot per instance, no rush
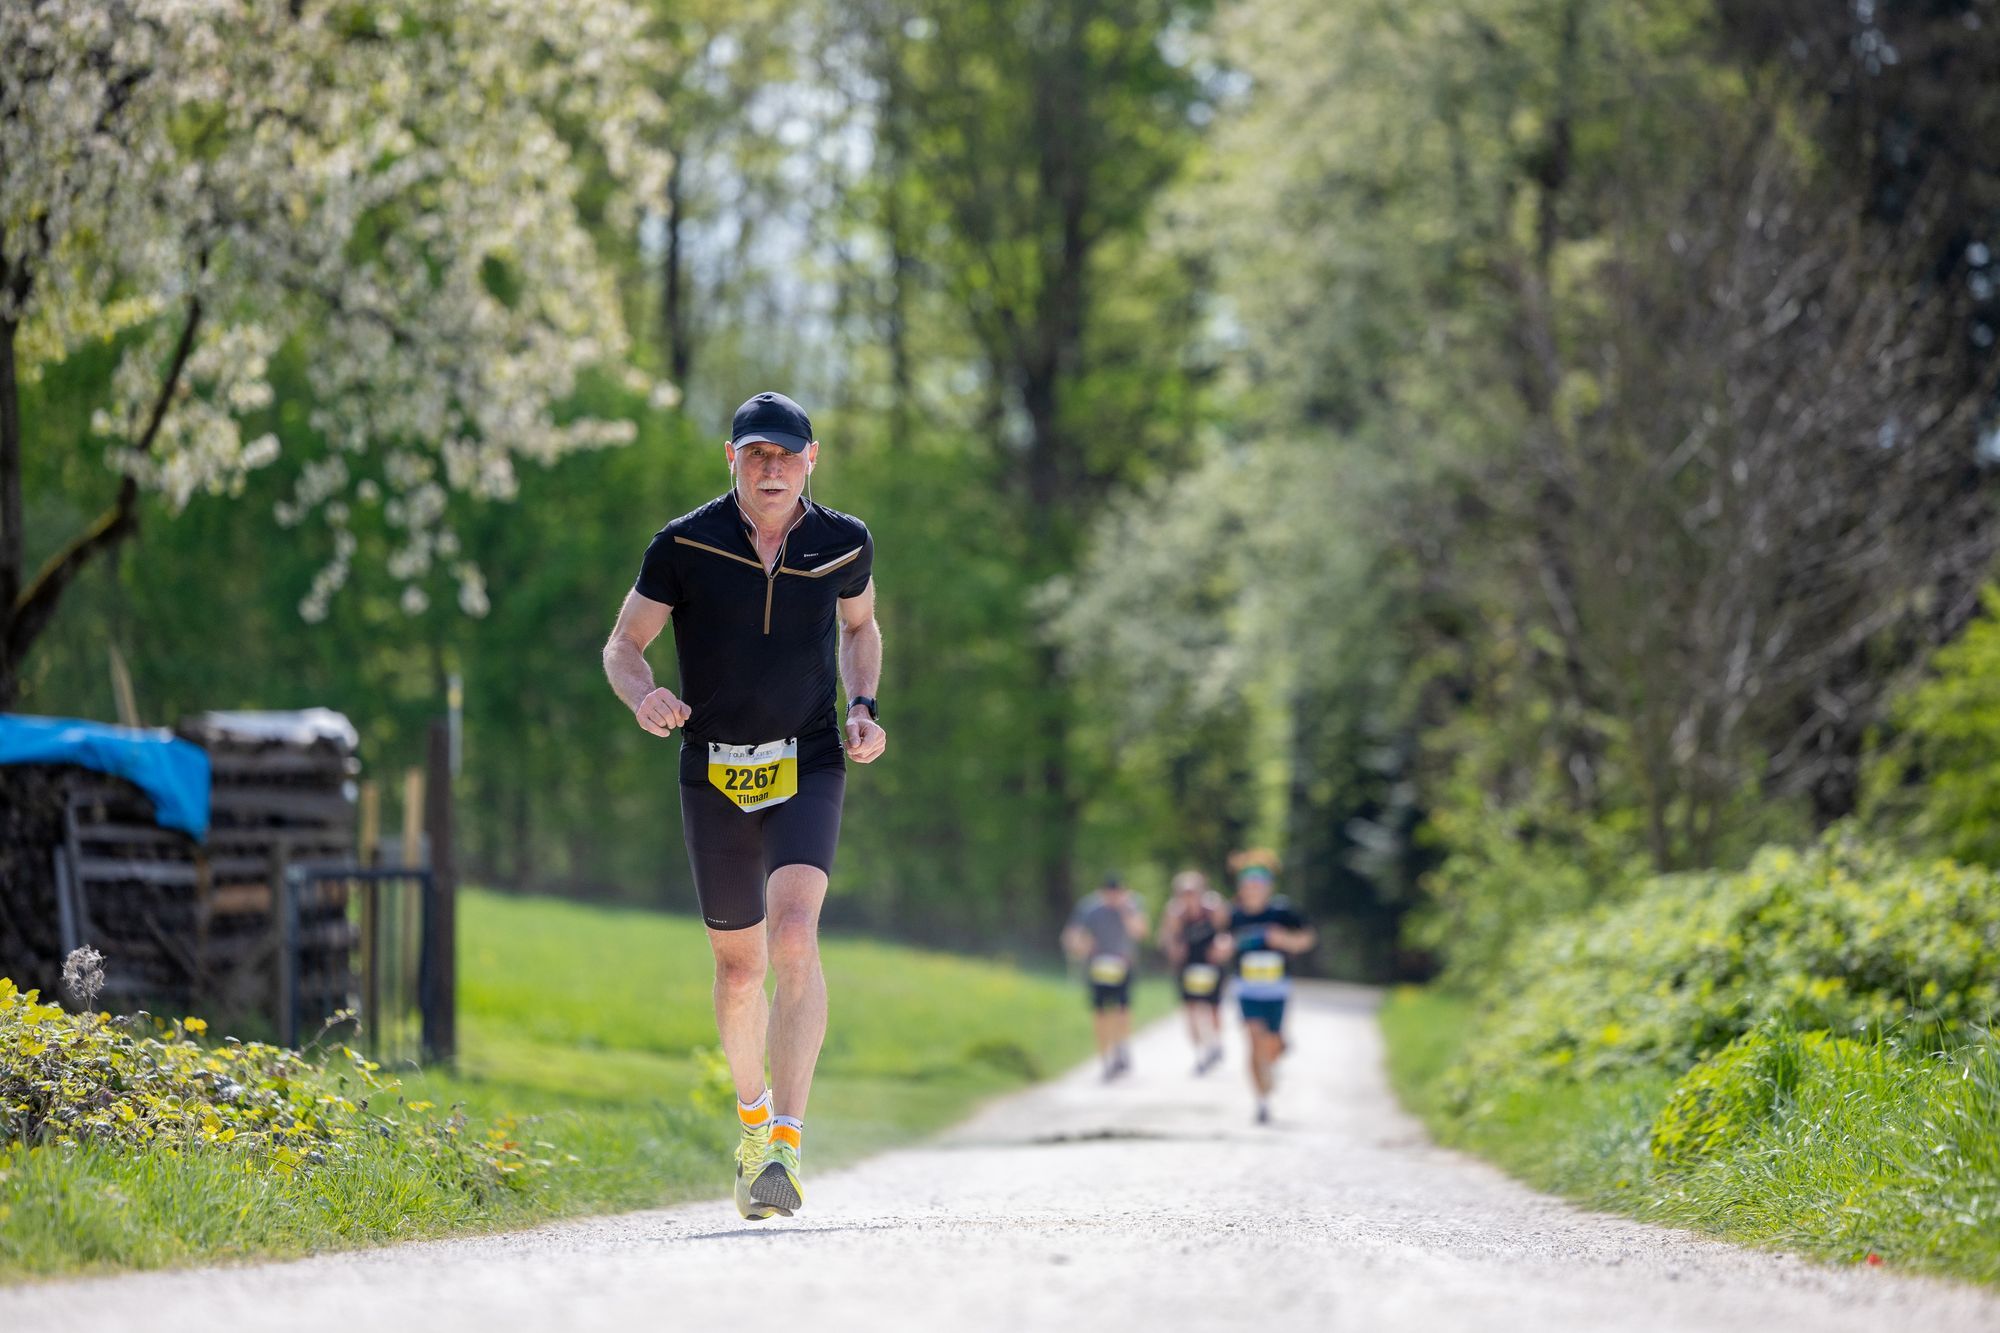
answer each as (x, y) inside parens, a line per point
(1265, 934)
(760, 584)
(1195, 918)
(1103, 934)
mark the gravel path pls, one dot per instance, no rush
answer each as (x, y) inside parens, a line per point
(1150, 1204)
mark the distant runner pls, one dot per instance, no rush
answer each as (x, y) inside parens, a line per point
(1194, 921)
(1103, 934)
(760, 583)
(1265, 934)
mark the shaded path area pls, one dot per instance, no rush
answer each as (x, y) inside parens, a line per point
(1150, 1203)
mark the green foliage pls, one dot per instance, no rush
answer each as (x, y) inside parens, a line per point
(141, 1086)
(1800, 1053)
(1717, 1105)
(1844, 936)
(1868, 1149)
(1939, 780)
(1511, 867)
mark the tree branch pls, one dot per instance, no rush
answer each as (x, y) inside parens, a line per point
(36, 604)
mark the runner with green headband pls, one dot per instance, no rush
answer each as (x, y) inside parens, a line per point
(1266, 933)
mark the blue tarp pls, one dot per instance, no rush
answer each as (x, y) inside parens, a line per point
(172, 771)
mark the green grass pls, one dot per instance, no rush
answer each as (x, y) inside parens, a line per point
(580, 1029)
(1873, 1153)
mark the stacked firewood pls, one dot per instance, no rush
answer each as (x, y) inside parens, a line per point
(187, 926)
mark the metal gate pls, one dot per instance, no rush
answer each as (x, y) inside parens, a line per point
(392, 911)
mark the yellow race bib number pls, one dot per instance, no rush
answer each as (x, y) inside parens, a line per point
(1200, 979)
(755, 776)
(1108, 969)
(1263, 965)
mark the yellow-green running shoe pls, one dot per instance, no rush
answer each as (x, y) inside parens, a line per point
(750, 1155)
(777, 1184)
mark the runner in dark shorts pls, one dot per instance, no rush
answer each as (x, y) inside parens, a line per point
(772, 601)
(1265, 934)
(1194, 920)
(1103, 934)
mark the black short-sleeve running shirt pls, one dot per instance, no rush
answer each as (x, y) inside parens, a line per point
(1249, 929)
(757, 649)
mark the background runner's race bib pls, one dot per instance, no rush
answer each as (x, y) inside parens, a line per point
(754, 776)
(1200, 979)
(1108, 969)
(1264, 965)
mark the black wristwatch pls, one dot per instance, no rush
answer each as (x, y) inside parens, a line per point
(874, 713)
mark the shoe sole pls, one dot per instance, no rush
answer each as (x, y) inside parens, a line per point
(747, 1206)
(776, 1188)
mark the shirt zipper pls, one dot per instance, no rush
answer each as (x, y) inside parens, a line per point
(771, 573)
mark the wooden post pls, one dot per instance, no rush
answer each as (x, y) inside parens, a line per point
(440, 944)
(68, 936)
(411, 909)
(370, 840)
(413, 817)
(283, 940)
(371, 907)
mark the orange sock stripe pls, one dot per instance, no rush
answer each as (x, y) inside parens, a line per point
(753, 1116)
(785, 1134)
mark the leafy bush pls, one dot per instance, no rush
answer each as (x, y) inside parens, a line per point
(1840, 1148)
(142, 1084)
(1939, 778)
(1509, 869)
(1844, 937)
(1724, 1099)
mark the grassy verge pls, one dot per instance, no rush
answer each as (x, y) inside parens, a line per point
(584, 1086)
(1861, 1153)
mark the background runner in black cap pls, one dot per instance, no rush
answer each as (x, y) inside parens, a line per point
(1103, 934)
(772, 601)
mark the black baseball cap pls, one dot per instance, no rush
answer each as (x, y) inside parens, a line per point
(771, 418)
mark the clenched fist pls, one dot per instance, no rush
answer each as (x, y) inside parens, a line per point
(865, 739)
(659, 712)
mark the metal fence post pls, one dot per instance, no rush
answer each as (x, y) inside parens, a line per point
(440, 916)
(289, 887)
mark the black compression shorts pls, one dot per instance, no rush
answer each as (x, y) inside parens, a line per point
(1111, 997)
(733, 852)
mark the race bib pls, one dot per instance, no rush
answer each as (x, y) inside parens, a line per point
(1264, 965)
(1108, 969)
(1200, 979)
(755, 776)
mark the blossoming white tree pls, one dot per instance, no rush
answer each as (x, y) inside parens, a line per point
(391, 183)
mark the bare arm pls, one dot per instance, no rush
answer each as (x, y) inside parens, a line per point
(1075, 941)
(1219, 947)
(861, 673)
(1287, 940)
(1135, 922)
(640, 621)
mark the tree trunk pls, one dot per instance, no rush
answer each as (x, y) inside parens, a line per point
(12, 550)
(673, 301)
(15, 284)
